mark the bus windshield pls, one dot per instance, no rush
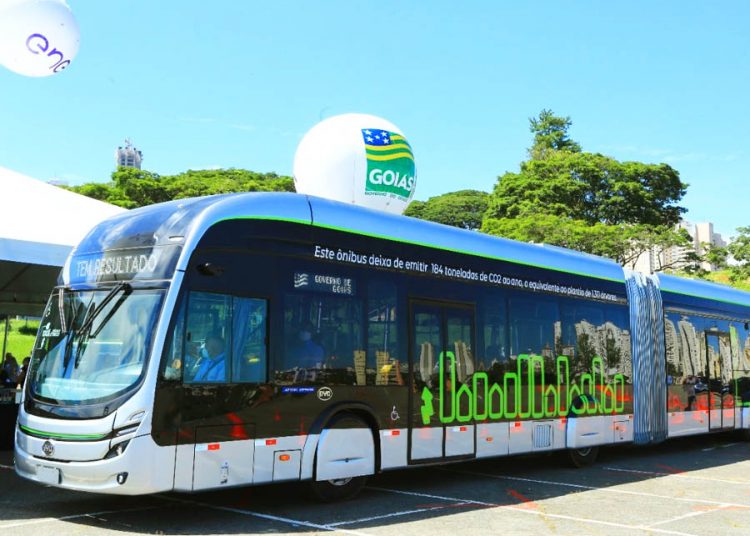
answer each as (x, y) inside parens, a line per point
(92, 345)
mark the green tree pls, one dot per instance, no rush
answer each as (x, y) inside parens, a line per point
(464, 209)
(585, 201)
(550, 134)
(131, 187)
(739, 249)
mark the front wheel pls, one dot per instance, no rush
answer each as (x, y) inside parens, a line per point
(339, 489)
(583, 457)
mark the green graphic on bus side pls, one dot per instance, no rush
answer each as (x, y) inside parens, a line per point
(480, 400)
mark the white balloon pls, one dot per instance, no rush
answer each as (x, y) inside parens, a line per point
(37, 37)
(357, 158)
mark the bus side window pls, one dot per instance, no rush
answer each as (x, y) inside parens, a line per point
(249, 340)
(382, 365)
(208, 341)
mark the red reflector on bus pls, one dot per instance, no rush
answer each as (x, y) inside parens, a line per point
(395, 432)
(270, 442)
(462, 429)
(517, 425)
(284, 457)
(214, 446)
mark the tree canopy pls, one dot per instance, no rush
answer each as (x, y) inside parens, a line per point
(131, 187)
(464, 209)
(585, 201)
(550, 134)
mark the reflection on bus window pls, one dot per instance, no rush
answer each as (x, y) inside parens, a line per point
(207, 338)
(323, 337)
(383, 365)
(249, 340)
(205, 350)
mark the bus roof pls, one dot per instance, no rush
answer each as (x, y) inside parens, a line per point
(187, 220)
(191, 218)
(680, 290)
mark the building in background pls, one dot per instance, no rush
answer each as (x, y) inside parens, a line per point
(674, 257)
(128, 156)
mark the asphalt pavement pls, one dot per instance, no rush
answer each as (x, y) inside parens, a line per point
(692, 486)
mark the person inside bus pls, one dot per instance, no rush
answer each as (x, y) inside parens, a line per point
(307, 354)
(212, 366)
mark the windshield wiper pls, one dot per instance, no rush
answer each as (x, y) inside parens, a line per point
(115, 307)
(99, 308)
(71, 335)
(82, 334)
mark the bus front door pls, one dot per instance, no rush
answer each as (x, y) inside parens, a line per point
(441, 354)
(720, 396)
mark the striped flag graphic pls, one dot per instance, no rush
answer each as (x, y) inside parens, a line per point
(390, 164)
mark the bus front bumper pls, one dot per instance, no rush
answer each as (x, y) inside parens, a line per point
(142, 468)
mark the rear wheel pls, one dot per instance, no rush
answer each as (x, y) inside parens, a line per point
(583, 457)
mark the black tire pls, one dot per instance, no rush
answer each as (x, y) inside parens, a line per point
(343, 488)
(338, 490)
(583, 457)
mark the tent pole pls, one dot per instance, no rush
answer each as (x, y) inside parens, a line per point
(5, 339)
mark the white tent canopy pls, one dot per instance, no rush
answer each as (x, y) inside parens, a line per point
(39, 225)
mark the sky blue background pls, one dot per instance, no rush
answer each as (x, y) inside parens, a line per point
(200, 84)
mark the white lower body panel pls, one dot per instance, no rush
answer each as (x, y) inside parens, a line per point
(149, 468)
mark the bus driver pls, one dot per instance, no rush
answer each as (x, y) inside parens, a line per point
(212, 366)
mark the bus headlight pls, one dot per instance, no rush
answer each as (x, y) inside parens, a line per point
(117, 450)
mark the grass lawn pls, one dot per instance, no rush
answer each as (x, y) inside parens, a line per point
(19, 344)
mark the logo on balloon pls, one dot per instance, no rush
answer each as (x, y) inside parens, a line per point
(37, 37)
(38, 44)
(360, 159)
(390, 164)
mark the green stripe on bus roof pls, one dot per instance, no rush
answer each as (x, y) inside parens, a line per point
(422, 244)
(55, 435)
(730, 302)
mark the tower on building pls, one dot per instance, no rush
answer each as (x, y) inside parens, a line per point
(128, 156)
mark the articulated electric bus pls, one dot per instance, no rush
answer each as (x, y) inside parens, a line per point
(255, 338)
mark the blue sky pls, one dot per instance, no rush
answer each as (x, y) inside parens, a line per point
(199, 84)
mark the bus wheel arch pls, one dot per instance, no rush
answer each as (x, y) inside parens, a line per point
(346, 454)
(583, 456)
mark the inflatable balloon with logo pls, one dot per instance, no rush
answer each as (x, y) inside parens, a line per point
(359, 159)
(37, 37)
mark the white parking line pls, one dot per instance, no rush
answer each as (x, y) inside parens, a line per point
(288, 521)
(722, 504)
(75, 516)
(6, 466)
(384, 516)
(535, 512)
(686, 516)
(680, 475)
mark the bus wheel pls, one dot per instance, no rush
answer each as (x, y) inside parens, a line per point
(583, 457)
(338, 490)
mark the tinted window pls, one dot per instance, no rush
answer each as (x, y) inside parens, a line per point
(217, 338)
(322, 335)
(382, 339)
(534, 323)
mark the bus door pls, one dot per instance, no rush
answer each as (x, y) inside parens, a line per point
(441, 362)
(719, 374)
